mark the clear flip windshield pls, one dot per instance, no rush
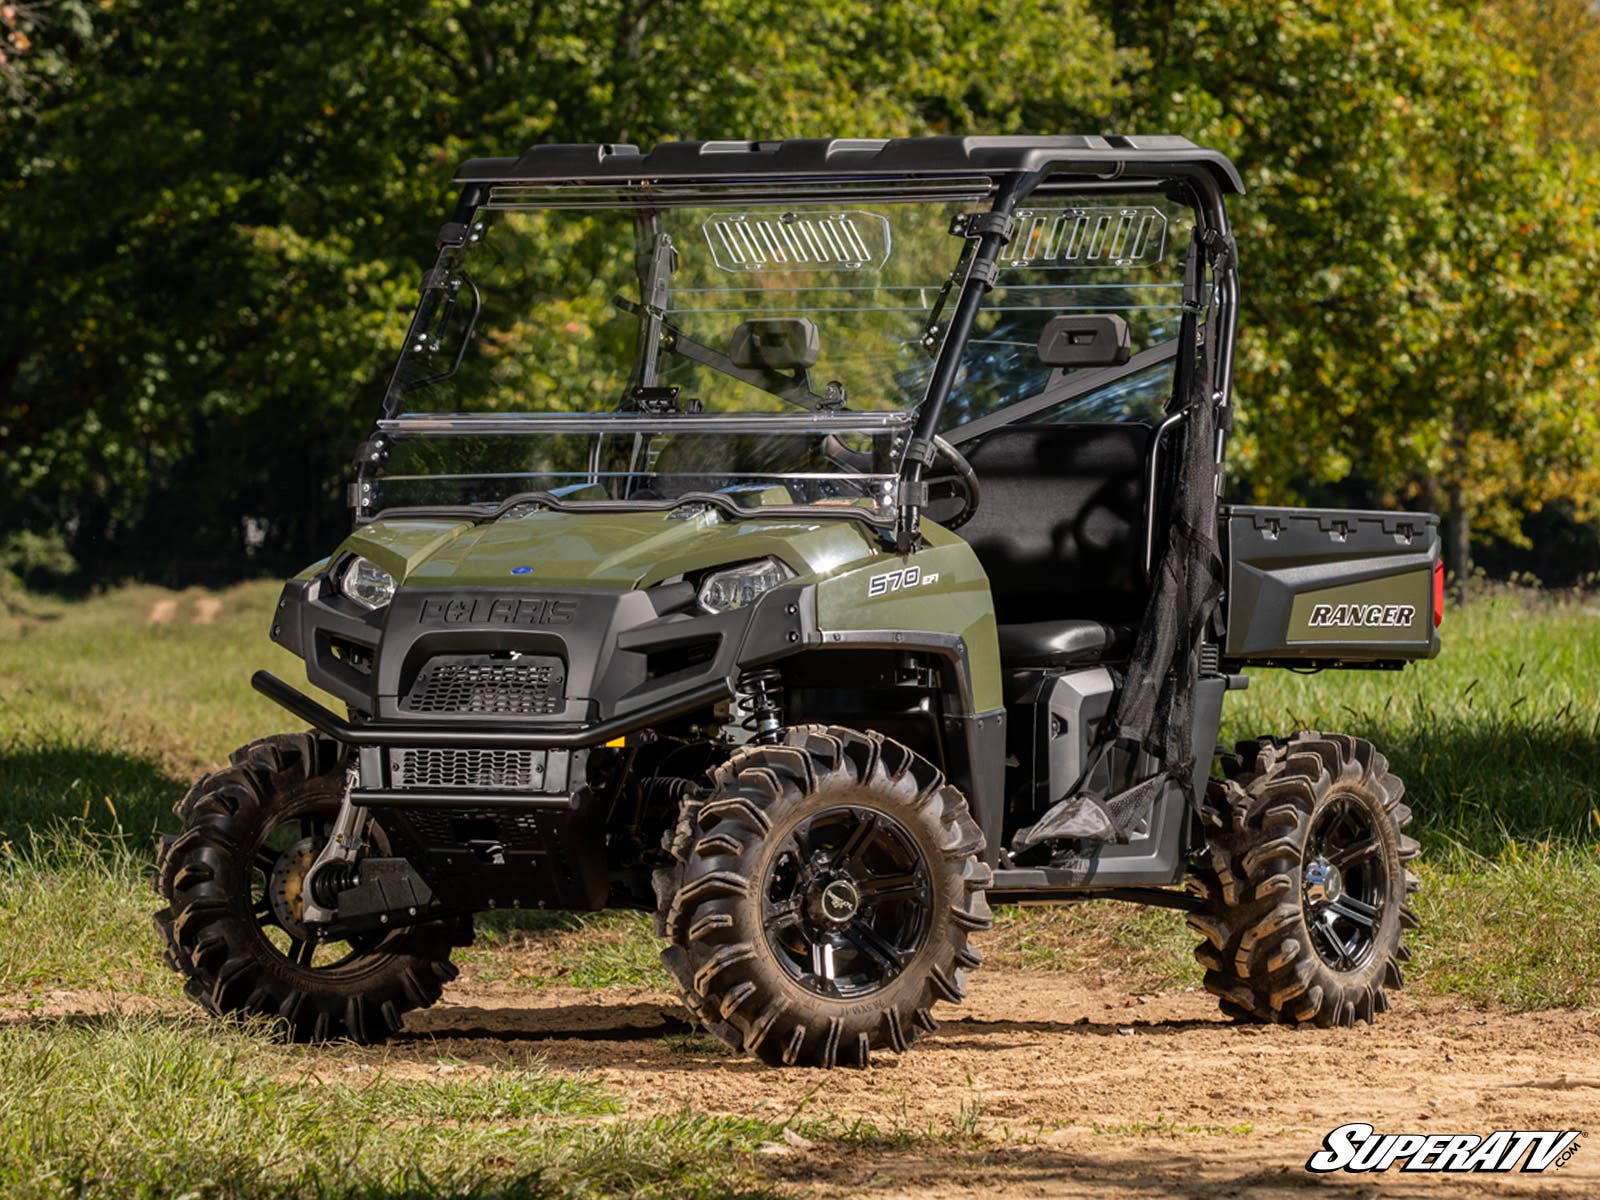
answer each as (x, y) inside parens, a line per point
(767, 347)
(770, 350)
(1122, 255)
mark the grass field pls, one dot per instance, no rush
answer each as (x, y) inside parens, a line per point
(108, 706)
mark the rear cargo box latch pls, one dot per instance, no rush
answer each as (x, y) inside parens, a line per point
(1267, 526)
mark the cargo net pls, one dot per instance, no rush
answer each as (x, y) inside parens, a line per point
(481, 685)
(1154, 713)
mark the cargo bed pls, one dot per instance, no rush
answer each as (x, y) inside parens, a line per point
(1330, 587)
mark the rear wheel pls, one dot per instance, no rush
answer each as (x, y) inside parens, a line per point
(233, 881)
(822, 897)
(1305, 883)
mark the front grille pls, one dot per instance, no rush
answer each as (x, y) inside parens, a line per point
(487, 770)
(460, 683)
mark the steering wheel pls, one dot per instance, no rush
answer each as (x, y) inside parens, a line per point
(961, 479)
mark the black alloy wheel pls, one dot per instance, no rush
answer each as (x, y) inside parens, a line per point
(1303, 881)
(283, 855)
(846, 906)
(1344, 883)
(821, 897)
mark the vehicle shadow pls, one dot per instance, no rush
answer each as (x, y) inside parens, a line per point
(549, 1027)
(599, 1022)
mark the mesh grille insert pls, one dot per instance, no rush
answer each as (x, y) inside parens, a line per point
(491, 770)
(458, 826)
(529, 686)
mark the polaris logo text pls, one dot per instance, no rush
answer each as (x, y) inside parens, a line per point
(498, 610)
(1358, 1147)
(1363, 616)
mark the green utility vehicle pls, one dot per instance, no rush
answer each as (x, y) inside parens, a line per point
(813, 543)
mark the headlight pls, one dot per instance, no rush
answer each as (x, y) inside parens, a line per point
(368, 584)
(736, 587)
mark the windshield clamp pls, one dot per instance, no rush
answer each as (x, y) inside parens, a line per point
(985, 272)
(659, 400)
(976, 224)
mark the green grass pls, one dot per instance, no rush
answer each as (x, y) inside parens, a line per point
(1498, 739)
(75, 913)
(105, 717)
(148, 1106)
(589, 950)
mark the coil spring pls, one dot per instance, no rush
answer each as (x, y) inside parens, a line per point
(666, 790)
(334, 878)
(761, 696)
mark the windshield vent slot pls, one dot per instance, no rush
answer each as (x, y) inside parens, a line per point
(850, 240)
(527, 686)
(1063, 238)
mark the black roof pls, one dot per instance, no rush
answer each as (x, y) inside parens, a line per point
(1087, 155)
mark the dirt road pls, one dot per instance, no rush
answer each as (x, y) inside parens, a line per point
(1077, 1091)
(1044, 1086)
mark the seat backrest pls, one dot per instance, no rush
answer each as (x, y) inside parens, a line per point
(1061, 529)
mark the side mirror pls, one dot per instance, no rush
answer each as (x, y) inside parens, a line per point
(1085, 340)
(775, 344)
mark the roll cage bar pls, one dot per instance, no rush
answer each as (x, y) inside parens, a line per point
(1016, 168)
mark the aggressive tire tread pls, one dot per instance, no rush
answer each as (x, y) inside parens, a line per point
(1257, 954)
(709, 899)
(212, 937)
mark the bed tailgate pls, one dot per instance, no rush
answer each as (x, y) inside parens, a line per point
(1330, 587)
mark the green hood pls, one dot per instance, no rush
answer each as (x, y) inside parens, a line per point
(601, 549)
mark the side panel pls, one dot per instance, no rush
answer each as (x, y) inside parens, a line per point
(1329, 586)
(941, 589)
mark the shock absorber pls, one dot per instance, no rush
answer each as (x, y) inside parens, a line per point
(761, 698)
(331, 879)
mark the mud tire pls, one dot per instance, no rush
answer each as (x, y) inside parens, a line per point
(725, 848)
(1257, 950)
(216, 942)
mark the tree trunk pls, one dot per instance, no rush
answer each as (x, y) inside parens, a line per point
(1458, 541)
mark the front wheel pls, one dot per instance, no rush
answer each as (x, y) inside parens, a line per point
(233, 882)
(1305, 886)
(822, 897)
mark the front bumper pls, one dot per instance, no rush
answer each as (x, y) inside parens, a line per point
(456, 735)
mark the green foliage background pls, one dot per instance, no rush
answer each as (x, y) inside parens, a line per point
(213, 216)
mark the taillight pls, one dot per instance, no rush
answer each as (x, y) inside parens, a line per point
(1438, 594)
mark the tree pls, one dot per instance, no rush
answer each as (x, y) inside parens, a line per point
(1420, 313)
(220, 212)
(1560, 40)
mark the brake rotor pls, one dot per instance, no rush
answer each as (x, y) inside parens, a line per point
(286, 887)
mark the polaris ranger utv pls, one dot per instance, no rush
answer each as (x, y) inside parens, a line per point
(811, 543)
